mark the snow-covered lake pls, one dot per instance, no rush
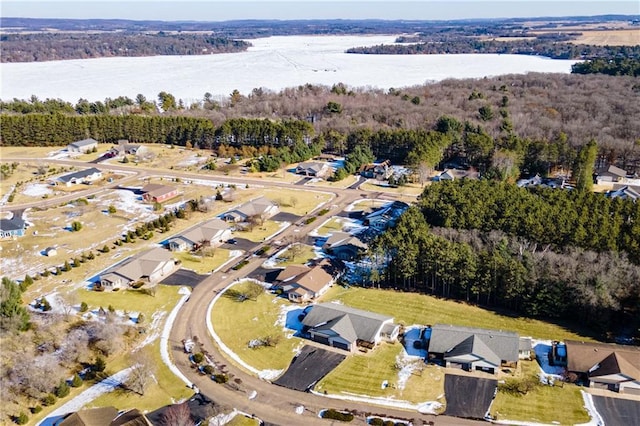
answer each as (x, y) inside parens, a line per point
(272, 63)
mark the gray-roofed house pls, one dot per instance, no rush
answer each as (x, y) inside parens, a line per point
(344, 246)
(612, 174)
(102, 416)
(150, 267)
(625, 193)
(474, 348)
(83, 176)
(11, 228)
(525, 345)
(347, 328)
(260, 207)
(212, 233)
(312, 168)
(303, 283)
(83, 146)
(606, 366)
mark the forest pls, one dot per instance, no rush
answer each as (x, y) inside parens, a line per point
(39, 47)
(499, 270)
(618, 66)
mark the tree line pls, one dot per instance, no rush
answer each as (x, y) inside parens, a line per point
(617, 66)
(39, 47)
(493, 269)
(544, 216)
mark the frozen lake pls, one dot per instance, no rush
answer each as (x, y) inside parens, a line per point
(272, 63)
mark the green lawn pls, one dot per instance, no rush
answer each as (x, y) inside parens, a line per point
(545, 404)
(344, 183)
(164, 388)
(411, 308)
(239, 322)
(363, 374)
(240, 420)
(408, 190)
(165, 299)
(203, 265)
(306, 254)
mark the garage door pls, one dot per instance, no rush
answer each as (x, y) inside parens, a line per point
(341, 345)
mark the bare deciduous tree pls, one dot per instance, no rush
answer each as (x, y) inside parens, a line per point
(141, 372)
(177, 415)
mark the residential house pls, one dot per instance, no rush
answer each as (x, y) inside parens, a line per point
(525, 346)
(347, 328)
(473, 348)
(102, 416)
(444, 175)
(132, 417)
(200, 407)
(532, 181)
(344, 246)
(158, 193)
(12, 228)
(612, 174)
(386, 216)
(260, 207)
(150, 267)
(625, 193)
(606, 366)
(83, 176)
(82, 146)
(311, 168)
(125, 148)
(212, 233)
(379, 171)
(302, 283)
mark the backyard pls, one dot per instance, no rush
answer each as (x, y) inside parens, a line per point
(203, 264)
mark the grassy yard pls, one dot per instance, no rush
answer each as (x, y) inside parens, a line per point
(239, 322)
(409, 190)
(203, 265)
(165, 299)
(28, 152)
(344, 183)
(545, 404)
(412, 308)
(259, 233)
(332, 225)
(298, 202)
(240, 420)
(306, 254)
(364, 375)
(164, 388)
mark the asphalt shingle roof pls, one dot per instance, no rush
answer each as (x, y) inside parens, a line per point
(446, 337)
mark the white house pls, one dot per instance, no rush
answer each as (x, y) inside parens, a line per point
(83, 176)
(212, 232)
(260, 207)
(82, 146)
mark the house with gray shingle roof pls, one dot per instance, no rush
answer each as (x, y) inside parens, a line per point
(83, 146)
(83, 176)
(11, 228)
(212, 233)
(347, 328)
(260, 207)
(474, 348)
(150, 267)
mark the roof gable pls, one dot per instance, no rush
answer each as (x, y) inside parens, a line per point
(503, 343)
(475, 347)
(366, 324)
(596, 358)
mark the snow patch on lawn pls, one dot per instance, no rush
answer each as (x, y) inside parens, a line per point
(37, 190)
(542, 349)
(164, 339)
(387, 402)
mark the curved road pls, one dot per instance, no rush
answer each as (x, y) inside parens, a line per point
(272, 403)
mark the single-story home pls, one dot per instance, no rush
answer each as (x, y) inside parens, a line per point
(102, 416)
(344, 246)
(347, 328)
(124, 148)
(260, 207)
(50, 251)
(212, 233)
(386, 216)
(625, 193)
(472, 349)
(158, 193)
(612, 174)
(379, 171)
(83, 176)
(312, 168)
(150, 266)
(82, 146)
(444, 175)
(605, 366)
(302, 283)
(11, 228)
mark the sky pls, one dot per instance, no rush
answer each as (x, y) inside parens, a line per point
(221, 10)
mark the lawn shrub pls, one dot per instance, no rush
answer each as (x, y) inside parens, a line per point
(208, 369)
(337, 415)
(48, 400)
(323, 212)
(239, 265)
(220, 378)
(519, 387)
(22, 418)
(198, 357)
(36, 409)
(310, 220)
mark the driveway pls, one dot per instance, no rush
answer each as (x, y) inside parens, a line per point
(285, 217)
(468, 397)
(241, 244)
(308, 367)
(617, 411)
(184, 277)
